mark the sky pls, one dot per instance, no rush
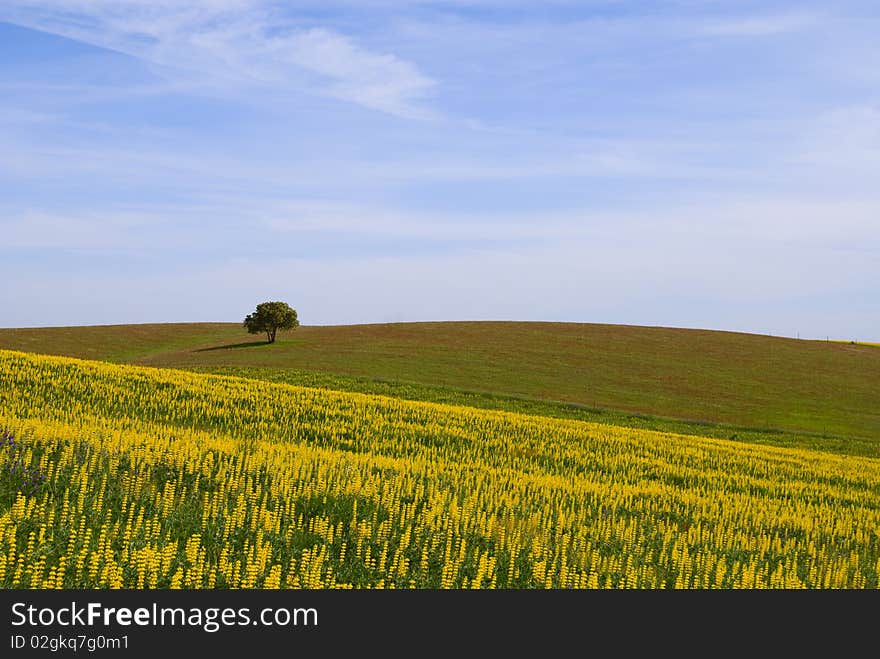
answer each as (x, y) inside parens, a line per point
(684, 163)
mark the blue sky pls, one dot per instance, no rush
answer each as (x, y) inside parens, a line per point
(684, 163)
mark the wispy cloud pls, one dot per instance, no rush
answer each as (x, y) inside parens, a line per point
(220, 43)
(699, 278)
(684, 163)
(44, 230)
(379, 81)
(757, 26)
(788, 223)
(608, 158)
(846, 139)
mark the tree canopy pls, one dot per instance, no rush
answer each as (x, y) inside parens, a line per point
(269, 317)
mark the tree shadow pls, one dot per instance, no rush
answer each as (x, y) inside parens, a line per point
(232, 346)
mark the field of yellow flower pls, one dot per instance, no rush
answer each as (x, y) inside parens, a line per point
(126, 477)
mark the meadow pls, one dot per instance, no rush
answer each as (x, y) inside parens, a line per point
(743, 382)
(122, 476)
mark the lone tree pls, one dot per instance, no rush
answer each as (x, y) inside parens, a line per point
(270, 317)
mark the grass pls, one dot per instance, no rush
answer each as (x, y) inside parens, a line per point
(119, 343)
(733, 382)
(845, 445)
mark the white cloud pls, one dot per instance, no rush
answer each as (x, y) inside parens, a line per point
(622, 158)
(44, 230)
(728, 221)
(846, 139)
(695, 280)
(751, 266)
(730, 224)
(748, 216)
(378, 81)
(16, 116)
(235, 42)
(757, 26)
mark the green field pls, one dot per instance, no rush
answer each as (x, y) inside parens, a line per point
(756, 388)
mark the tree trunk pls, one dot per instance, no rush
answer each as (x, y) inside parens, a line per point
(268, 337)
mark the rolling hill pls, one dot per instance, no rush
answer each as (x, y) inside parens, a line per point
(745, 380)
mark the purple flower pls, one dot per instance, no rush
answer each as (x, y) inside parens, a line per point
(7, 439)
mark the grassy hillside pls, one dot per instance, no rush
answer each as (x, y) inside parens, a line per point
(120, 343)
(723, 377)
(841, 444)
(121, 476)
